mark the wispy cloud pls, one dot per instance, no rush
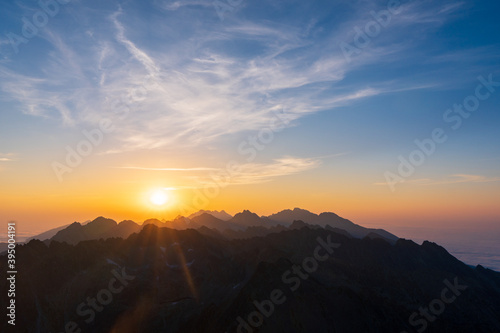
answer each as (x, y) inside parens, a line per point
(194, 89)
(427, 12)
(246, 173)
(136, 52)
(174, 5)
(252, 173)
(9, 157)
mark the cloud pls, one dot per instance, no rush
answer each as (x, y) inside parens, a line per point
(137, 53)
(253, 173)
(426, 12)
(246, 173)
(208, 96)
(175, 5)
(9, 157)
(193, 88)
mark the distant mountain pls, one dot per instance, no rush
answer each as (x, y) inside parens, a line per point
(73, 234)
(123, 229)
(287, 216)
(180, 223)
(210, 221)
(248, 219)
(330, 219)
(99, 228)
(241, 226)
(167, 280)
(43, 236)
(155, 222)
(47, 234)
(221, 215)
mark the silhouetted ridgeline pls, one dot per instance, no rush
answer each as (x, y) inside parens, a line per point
(317, 280)
(243, 225)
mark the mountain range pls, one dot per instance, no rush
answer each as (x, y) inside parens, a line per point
(242, 225)
(298, 277)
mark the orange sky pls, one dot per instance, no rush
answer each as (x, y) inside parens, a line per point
(39, 202)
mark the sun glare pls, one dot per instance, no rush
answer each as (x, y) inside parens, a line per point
(159, 197)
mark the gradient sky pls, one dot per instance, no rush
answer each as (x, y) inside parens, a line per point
(185, 87)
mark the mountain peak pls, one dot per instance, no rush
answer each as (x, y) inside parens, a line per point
(102, 219)
(288, 216)
(221, 215)
(126, 222)
(248, 219)
(296, 210)
(246, 214)
(154, 222)
(181, 218)
(246, 211)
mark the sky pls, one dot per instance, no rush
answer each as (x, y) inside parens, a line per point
(384, 112)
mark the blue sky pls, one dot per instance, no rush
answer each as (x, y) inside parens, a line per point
(177, 80)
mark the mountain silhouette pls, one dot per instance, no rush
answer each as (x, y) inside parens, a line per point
(212, 222)
(297, 214)
(189, 281)
(330, 219)
(248, 219)
(221, 215)
(98, 228)
(47, 234)
(242, 225)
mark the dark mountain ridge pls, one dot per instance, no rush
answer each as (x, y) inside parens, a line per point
(187, 281)
(242, 225)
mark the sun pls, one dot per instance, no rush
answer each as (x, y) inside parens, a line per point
(159, 197)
